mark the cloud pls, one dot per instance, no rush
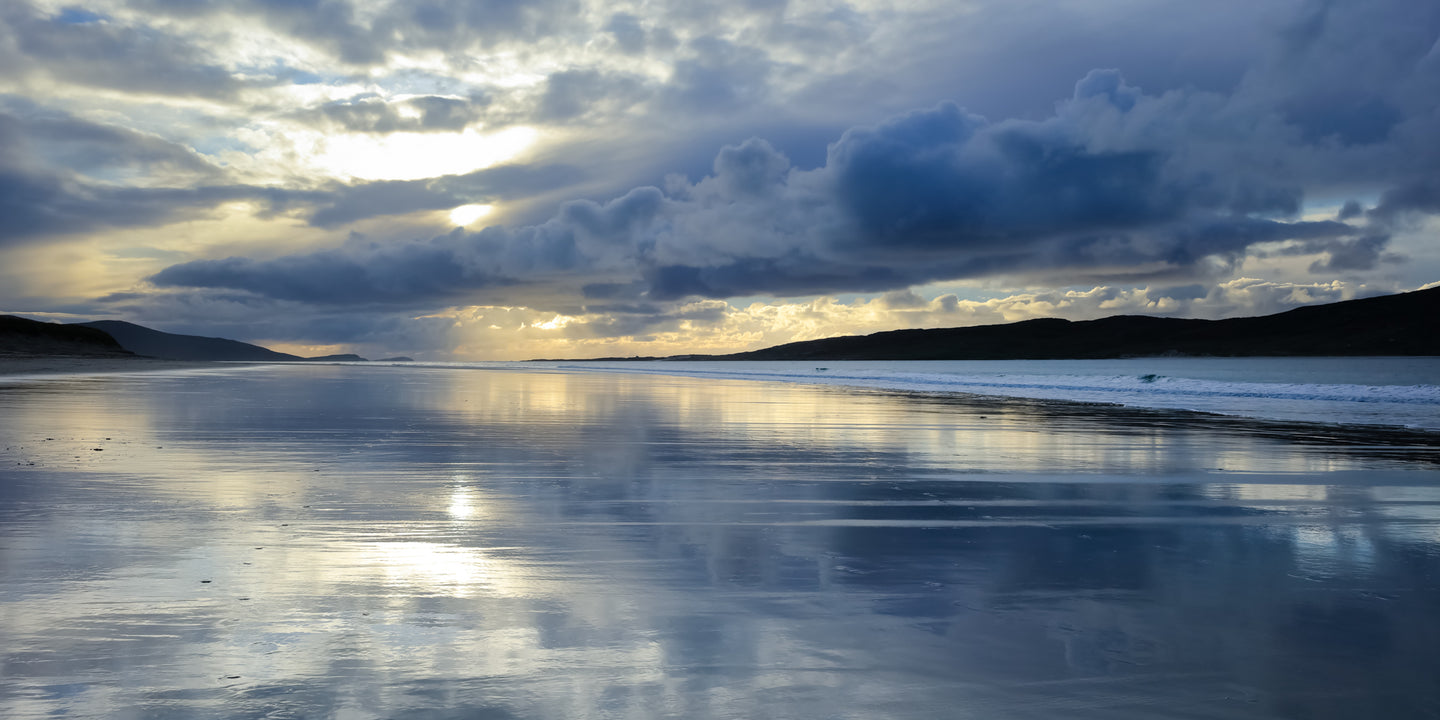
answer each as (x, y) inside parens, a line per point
(372, 114)
(571, 95)
(1421, 196)
(89, 49)
(41, 137)
(366, 34)
(629, 34)
(1202, 165)
(60, 174)
(1361, 253)
(362, 274)
(719, 76)
(1109, 185)
(63, 174)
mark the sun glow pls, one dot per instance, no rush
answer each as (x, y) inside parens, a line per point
(414, 156)
(555, 323)
(465, 214)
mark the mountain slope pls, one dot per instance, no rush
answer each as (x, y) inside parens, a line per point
(22, 337)
(153, 343)
(1403, 324)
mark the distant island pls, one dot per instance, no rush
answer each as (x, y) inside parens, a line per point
(1401, 324)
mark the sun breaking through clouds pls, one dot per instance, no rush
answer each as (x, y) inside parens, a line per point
(568, 178)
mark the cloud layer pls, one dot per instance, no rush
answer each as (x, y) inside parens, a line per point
(656, 168)
(1107, 188)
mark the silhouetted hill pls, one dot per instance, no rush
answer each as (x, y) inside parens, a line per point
(22, 337)
(1402, 324)
(153, 343)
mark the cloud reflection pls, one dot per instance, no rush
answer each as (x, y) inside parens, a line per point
(450, 543)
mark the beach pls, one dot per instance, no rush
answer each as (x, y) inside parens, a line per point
(31, 364)
(356, 542)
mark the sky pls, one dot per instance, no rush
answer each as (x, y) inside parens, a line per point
(510, 179)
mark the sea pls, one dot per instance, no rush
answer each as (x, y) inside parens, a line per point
(1149, 538)
(1361, 391)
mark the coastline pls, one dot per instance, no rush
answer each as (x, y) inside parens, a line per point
(26, 365)
(1331, 391)
(1314, 415)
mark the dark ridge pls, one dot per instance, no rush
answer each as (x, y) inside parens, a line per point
(168, 346)
(22, 337)
(1402, 324)
(397, 358)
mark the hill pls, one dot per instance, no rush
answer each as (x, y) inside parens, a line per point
(22, 337)
(1402, 324)
(169, 346)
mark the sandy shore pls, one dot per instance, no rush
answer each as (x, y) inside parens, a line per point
(84, 365)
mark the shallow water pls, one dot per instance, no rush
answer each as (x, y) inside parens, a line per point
(1391, 391)
(351, 542)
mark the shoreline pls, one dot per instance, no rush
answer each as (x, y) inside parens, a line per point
(37, 365)
(15, 367)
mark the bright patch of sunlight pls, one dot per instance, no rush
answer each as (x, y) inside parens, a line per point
(414, 156)
(465, 214)
(555, 323)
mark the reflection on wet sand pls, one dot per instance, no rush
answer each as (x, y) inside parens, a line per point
(383, 542)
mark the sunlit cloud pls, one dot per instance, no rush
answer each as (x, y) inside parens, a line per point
(464, 215)
(415, 156)
(652, 178)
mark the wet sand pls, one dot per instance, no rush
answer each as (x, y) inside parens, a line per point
(88, 365)
(352, 542)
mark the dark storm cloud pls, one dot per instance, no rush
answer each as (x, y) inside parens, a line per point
(1343, 67)
(1359, 254)
(359, 274)
(1117, 184)
(1421, 196)
(86, 49)
(923, 178)
(937, 194)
